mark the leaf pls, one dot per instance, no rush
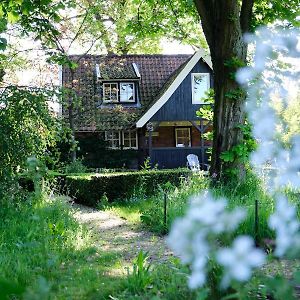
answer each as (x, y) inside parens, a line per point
(227, 156)
(3, 44)
(8, 288)
(13, 17)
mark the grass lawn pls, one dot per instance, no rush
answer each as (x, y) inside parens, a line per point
(46, 254)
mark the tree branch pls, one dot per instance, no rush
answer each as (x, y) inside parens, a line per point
(246, 15)
(205, 9)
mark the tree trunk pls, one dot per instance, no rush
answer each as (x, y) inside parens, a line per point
(222, 27)
(71, 118)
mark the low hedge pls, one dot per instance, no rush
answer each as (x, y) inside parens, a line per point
(89, 189)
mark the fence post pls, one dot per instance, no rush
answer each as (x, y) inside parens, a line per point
(256, 223)
(165, 212)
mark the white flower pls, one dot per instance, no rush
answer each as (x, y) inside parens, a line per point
(211, 216)
(180, 238)
(239, 260)
(284, 222)
(197, 279)
(191, 237)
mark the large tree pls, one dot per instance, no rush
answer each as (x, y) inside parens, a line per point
(224, 23)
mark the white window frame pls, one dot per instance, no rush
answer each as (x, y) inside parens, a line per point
(108, 140)
(133, 91)
(194, 101)
(176, 137)
(131, 132)
(109, 84)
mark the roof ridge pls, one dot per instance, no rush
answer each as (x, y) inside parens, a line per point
(132, 55)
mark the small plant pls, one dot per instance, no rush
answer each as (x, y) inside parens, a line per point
(140, 277)
(146, 166)
(36, 171)
(76, 167)
(103, 203)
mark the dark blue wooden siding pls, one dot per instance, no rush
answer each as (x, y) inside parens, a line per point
(179, 107)
(168, 158)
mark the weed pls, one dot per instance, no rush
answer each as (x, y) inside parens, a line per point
(140, 277)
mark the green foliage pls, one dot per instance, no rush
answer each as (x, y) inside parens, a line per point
(206, 111)
(120, 37)
(235, 94)
(33, 16)
(75, 167)
(170, 19)
(27, 128)
(266, 12)
(95, 153)
(290, 115)
(88, 189)
(177, 197)
(103, 202)
(140, 276)
(239, 194)
(241, 152)
(35, 239)
(146, 164)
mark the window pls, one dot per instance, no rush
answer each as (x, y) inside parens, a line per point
(200, 85)
(183, 137)
(118, 92)
(113, 139)
(127, 92)
(130, 139)
(110, 92)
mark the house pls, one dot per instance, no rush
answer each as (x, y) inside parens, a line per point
(145, 103)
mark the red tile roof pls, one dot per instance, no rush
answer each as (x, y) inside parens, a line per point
(155, 71)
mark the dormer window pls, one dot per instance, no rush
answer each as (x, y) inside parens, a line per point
(118, 92)
(127, 92)
(110, 92)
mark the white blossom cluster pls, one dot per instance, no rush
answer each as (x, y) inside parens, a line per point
(275, 76)
(284, 222)
(194, 239)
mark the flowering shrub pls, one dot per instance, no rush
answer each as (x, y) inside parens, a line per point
(195, 237)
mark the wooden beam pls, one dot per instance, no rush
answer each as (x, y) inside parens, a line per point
(156, 125)
(196, 126)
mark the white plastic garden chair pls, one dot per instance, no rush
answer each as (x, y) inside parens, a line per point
(193, 163)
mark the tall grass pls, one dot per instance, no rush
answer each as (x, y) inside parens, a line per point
(36, 239)
(242, 194)
(46, 254)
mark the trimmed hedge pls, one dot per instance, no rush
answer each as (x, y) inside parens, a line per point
(89, 189)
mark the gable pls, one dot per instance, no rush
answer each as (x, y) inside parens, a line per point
(179, 106)
(173, 85)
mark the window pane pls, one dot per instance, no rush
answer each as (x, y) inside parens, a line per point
(183, 138)
(110, 91)
(126, 135)
(200, 86)
(127, 143)
(126, 92)
(114, 92)
(115, 135)
(133, 141)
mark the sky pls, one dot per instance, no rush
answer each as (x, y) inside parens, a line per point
(35, 74)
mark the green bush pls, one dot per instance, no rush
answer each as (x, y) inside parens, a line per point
(76, 167)
(89, 189)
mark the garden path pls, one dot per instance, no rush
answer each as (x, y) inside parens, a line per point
(113, 234)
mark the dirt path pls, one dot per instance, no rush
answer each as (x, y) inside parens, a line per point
(114, 234)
